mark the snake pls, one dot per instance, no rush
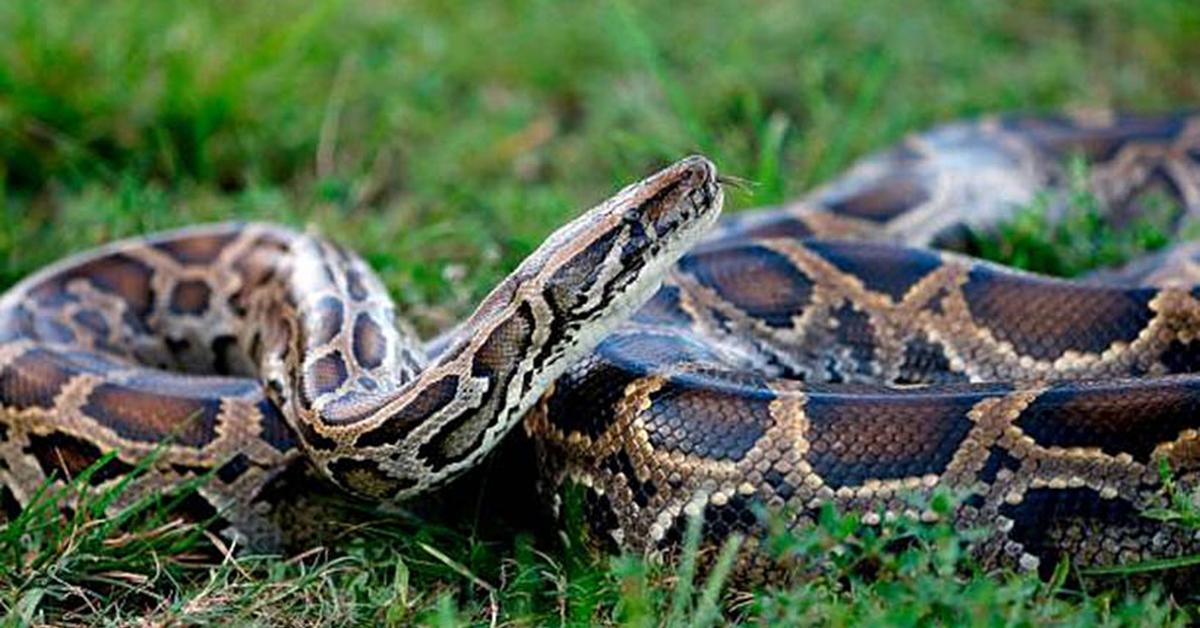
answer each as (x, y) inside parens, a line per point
(668, 363)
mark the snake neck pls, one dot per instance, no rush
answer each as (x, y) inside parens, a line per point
(382, 419)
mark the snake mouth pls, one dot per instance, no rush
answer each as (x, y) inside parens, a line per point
(664, 216)
(676, 206)
(643, 230)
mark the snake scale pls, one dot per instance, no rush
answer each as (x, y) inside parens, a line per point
(667, 362)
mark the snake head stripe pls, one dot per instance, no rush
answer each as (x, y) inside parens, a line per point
(585, 279)
(611, 260)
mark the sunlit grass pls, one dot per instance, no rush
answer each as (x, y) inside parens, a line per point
(144, 563)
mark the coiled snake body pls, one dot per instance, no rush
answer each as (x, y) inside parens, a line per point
(795, 356)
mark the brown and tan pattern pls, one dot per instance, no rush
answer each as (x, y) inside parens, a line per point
(797, 356)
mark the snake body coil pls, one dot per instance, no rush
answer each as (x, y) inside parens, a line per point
(795, 356)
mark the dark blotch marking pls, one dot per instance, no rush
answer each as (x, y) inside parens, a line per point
(69, 456)
(881, 200)
(16, 323)
(891, 270)
(1044, 510)
(735, 516)
(1062, 137)
(601, 518)
(370, 346)
(567, 288)
(620, 464)
(257, 267)
(1043, 318)
(144, 414)
(177, 347)
(274, 429)
(190, 297)
(398, 426)
(52, 293)
(585, 398)
(226, 355)
(662, 210)
(315, 439)
(327, 373)
(256, 346)
(494, 361)
(51, 330)
(197, 249)
(93, 322)
(355, 285)
(936, 303)
(328, 312)
(925, 362)
(329, 275)
(863, 432)
(775, 226)
(1181, 357)
(509, 340)
(232, 470)
(196, 508)
(119, 275)
(738, 515)
(1133, 417)
(9, 506)
(758, 281)
(855, 332)
(708, 415)
(998, 458)
(956, 237)
(189, 469)
(34, 379)
(778, 482)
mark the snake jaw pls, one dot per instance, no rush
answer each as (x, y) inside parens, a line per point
(632, 241)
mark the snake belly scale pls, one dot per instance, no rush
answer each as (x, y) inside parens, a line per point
(791, 357)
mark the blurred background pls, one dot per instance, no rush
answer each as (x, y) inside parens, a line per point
(445, 139)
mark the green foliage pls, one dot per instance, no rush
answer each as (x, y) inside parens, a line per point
(51, 556)
(444, 141)
(1080, 239)
(143, 563)
(439, 136)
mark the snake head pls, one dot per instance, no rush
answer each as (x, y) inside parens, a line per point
(589, 276)
(606, 263)
(585, 279)
(611, 259)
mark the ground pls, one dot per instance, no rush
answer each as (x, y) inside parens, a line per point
(443, 141)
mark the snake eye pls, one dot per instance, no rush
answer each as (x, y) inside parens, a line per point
(612, 256)
(674, 199)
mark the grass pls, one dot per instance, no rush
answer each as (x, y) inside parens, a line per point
(444, 140)
(140, 565)
(1081, 240)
